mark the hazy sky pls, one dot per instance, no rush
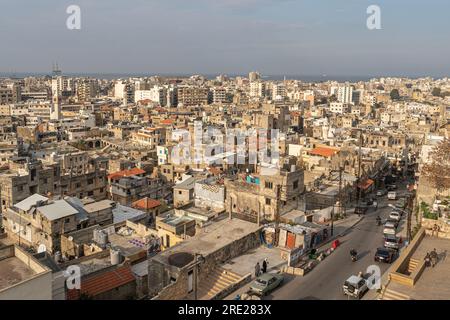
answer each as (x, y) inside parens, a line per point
(292, 37)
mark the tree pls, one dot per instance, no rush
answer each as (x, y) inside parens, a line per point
(437, 170)
(395, 95)
(436, 92)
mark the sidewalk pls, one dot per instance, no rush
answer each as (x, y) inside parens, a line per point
(341, 227)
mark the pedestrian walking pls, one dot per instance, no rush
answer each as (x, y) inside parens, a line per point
(427, 259)
(435, 230)
(257, 270)
(434, 257)
(264, 265)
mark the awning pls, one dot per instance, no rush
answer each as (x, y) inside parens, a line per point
(366, 184)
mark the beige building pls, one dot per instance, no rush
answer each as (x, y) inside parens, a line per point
(257, 197)
(22, 277)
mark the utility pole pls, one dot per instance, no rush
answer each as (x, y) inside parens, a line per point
(358, 195)
(277, 214)
(340, 190)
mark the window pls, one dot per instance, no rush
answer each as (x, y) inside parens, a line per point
(295, 184)
(67, 220)
(268, 201)
(268, 185)
(180, 192)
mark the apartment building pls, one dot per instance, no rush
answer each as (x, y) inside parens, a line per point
(24, 179)
(193, 96)
(257, 196)
(151, 137)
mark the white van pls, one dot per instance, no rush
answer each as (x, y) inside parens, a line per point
(392, 195)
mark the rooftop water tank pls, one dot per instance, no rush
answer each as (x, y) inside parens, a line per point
(115, 257)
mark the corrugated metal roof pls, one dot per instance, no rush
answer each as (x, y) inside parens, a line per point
(123, 213)
(27, 203)
(57, 210)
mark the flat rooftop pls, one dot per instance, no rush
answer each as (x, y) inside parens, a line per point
(175, 221)
(13, 271)
(213, 237)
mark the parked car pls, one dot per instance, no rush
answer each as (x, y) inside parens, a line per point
(391, 187)
(355, 286)
(385, 255)
(392, 195)
(389, 228)
(401, 203)
(266, 283)
(395, 223)
(394, 215)
(391, 224)
(391, 242)
(381, 193)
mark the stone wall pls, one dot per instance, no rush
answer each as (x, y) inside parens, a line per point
(159, 274)
(443, 228)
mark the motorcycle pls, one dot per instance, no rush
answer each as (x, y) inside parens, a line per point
(378, 222)
(354, 258)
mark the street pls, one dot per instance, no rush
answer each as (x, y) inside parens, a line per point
(325, 281)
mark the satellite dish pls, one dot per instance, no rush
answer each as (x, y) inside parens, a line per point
(70, 238)
(42, 248)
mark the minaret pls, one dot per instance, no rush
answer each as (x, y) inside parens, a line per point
(55, 113)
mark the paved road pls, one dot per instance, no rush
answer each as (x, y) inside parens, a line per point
(325, 281)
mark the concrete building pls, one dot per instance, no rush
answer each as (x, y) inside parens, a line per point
(38, 221)
(22, 277)
(193, 96)
(345, 94)
(261, 196)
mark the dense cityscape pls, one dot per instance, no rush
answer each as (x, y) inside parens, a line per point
(223, 188)
(230, 158)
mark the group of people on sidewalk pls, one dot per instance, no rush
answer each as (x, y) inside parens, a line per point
(431, 258)
(260, 270)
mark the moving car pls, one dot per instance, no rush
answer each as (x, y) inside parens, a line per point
(385, 255)
(266, 283)
(355, 286)
(361, 209)
(391, 242)
(381, 193)
(394, 215)
(392, 195)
